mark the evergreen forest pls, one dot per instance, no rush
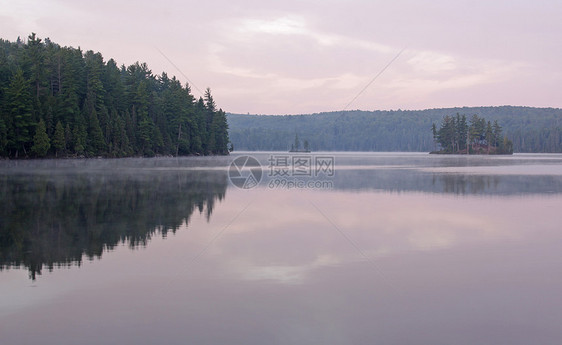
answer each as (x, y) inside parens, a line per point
(62, 102)
(530, 129)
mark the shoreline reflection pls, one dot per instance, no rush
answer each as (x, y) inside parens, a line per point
(49, 220)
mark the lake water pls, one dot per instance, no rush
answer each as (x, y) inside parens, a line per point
(320, 248)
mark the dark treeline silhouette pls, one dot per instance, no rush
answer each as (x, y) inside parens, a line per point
(458, 135)
(55, 219)
(530, 129)
(59, 101)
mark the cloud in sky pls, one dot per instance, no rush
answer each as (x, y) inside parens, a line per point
(300, 56)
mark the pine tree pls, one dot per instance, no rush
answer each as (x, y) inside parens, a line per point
(67, 136)
(446, 134)
(95, 143)
(497, 129)
(120, 141)
(73, 85)
(477, 129)
(219, 132)
(35, 57)
(146, 132)
(3, 137)
(461, 132)
(41, 142)
(59, 141)
(201, 143)
(19, 111)
(79, 135)
(434, 133)
(34, 62)
(489, 135)
(209, 101)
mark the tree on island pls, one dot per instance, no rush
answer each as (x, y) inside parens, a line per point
(296, 146)
(456, 136)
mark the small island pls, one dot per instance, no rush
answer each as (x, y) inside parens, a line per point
(296, 146)
(482, 137)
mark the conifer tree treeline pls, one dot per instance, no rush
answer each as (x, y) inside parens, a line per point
(531, 129)
(58, 101)
(457, 135)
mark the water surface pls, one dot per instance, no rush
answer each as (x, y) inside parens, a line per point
(400, 249)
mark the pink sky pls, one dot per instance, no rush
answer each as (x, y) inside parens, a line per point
(291, 57)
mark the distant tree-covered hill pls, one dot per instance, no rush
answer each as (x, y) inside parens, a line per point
(60, 101)
(530, 129)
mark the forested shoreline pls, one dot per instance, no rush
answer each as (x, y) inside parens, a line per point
(61, 102)
(530, 129)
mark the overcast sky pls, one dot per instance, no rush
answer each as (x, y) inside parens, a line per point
(291, 57)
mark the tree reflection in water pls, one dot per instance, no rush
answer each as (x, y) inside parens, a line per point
(54, 220)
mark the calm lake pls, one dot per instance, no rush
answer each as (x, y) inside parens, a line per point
(272, 248)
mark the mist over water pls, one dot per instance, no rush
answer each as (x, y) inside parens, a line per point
(402, 248)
